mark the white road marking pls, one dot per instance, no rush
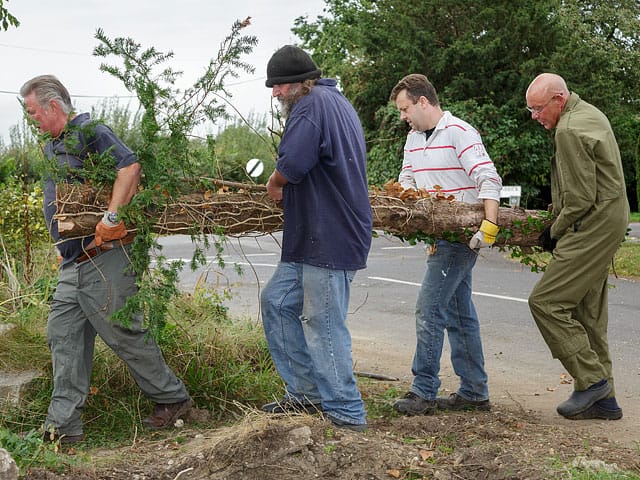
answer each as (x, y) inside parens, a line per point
(481, 294)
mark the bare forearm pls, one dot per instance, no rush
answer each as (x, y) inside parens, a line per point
(125, 186)
(491, 208)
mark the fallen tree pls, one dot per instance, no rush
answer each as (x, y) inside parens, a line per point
(249, 210)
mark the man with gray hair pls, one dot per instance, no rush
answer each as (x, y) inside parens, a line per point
(95, 277)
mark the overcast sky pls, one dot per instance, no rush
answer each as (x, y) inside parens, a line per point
(58, 38)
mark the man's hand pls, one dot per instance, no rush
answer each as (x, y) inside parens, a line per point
(485, 236)
(547, 243)
(107, 231)
(275, 185)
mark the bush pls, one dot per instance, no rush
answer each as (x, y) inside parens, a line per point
(22, 224)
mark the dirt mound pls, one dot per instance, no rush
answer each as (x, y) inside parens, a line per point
(501, 444)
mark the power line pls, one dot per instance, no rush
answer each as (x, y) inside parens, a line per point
(34, 49)
(256, 79)
(6, 92)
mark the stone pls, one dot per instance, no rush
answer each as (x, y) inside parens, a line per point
(8, 467)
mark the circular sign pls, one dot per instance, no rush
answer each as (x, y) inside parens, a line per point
(255, 167)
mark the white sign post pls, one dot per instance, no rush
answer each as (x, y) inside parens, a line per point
(255, 167)
(513, 194)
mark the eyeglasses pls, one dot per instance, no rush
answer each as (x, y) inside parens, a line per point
(538, 110)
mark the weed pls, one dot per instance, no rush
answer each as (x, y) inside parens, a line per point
(379, 405)
(224, 364)
(330, 448)
(30, 450)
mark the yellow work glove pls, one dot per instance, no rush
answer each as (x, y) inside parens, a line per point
(485, 236)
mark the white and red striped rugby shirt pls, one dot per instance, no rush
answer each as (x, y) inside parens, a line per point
(454, 158)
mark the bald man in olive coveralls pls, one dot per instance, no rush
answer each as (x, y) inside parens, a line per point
(591, 214)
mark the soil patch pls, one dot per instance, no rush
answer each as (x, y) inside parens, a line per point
(500, 444)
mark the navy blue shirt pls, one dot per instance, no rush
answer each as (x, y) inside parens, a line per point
(80, 137)
(322, 154)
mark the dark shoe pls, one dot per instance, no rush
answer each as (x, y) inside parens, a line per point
(165, 414)
(412, 404)
(455, 402)
(291, 405)
(354, 427)
(580, 401)
(606, 409)
(50, 437)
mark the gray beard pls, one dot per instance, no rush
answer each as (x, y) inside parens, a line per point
(285, 107)
(286, 104)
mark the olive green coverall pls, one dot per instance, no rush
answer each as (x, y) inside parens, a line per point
(591, 210)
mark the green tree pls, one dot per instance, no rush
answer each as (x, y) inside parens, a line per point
(237, 143)
(600, 58)
(481, 69)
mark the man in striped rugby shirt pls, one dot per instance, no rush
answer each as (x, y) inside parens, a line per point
(443, 153)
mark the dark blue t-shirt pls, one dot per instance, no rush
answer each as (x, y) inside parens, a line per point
(322, 154)
(80, 137)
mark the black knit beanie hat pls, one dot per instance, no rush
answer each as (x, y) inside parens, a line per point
(290, 64)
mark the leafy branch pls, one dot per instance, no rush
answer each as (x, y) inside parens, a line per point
(167, 151)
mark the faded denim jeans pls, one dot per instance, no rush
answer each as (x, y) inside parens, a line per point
(444, 302)
(304, 311)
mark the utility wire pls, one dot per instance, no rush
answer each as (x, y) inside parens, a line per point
(78, 96)
(256, 79)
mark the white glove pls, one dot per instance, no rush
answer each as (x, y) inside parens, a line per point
(485, 236)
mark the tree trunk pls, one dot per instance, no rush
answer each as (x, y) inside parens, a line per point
(246, 212)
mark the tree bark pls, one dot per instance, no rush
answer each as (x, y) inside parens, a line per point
(250, 211)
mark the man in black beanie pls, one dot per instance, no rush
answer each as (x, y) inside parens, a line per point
(320, 177)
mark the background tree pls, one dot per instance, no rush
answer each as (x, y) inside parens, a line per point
(240, 141)
(481, 69)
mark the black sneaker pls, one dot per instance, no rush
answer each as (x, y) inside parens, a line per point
(354, 427)
(455, 402)
(412, 404)
(291, 405)
(599, 412)
(581, 400)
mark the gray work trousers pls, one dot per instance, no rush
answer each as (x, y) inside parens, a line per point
(86, 296)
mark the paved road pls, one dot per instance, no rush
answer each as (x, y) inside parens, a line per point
(381, 320)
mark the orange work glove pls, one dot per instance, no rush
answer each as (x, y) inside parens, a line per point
(105, 233)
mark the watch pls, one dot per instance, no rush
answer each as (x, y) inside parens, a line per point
(112, 217)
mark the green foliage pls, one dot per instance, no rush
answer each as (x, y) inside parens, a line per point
(21, 217)
(221, 362)
(384, 159)
(22, 157)
(166, 152)
(482, 70)
(583, 468)
(30, 450)
(236, 144)
(6, 19)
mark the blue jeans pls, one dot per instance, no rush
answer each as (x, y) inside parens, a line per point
(444, 302)
(304, 311)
